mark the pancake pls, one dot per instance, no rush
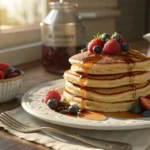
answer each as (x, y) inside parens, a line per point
(106, 81)
(109, 95)
(98, 106)
(130, 61)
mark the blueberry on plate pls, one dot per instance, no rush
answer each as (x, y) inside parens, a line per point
(52, 103)
(136, 109)
(146, 113)
(73, 109)
(125, 46)
(105, 37)
(97, 49)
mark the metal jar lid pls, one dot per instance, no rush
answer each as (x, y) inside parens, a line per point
(63, 5)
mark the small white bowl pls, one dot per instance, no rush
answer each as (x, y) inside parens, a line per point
(10, 87)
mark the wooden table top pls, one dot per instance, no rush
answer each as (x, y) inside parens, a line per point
(34, 75)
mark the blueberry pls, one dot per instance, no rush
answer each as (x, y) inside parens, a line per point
(105, 37)
(15, 70)
(117, 37)
(52, 103)
(146, 113)
(97, 49)
(125, 46)
(136, 109)
(73, 109)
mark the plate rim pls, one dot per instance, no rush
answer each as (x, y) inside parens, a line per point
(80, 126)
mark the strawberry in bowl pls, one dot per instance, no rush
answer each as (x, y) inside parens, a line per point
(10, 81)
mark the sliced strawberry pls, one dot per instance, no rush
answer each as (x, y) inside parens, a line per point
(52, 94)
(111, 47)
(145, 102)
(94, 42)
(1, 74)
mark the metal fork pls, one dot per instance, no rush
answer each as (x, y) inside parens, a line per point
(107, 145)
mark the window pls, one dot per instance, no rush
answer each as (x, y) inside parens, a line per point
(20, 30)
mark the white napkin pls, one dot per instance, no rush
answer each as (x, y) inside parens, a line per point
(139, 139)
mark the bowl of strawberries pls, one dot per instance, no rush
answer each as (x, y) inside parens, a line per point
(10, 81)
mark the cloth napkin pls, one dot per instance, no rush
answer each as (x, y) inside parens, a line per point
(139, 139)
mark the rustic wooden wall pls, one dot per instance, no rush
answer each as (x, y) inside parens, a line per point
(132, 21)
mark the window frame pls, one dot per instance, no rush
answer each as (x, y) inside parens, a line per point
(23, 40)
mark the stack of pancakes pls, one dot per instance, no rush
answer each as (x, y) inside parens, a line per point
(107, 83)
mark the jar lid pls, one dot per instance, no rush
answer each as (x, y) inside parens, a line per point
(64, 5)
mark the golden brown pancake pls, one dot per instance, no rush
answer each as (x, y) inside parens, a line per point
(118, 94)
(110, 64)
(106, 81)
(98, 106)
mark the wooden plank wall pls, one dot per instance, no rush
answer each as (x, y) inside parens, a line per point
(131, 22)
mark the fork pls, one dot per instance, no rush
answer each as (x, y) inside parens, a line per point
(107, 145)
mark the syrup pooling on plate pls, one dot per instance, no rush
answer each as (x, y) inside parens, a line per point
(91, 115)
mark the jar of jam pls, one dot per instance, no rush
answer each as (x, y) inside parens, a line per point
(63, 35)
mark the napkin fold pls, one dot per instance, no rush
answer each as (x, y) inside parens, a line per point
(139, 139)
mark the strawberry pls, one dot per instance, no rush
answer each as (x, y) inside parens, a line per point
(118, 37)
(111, 47)
(4, 67)
(148, 96)
(122, 40)
(1, 75)
(52, 94)
(145, 102)
(96, 41)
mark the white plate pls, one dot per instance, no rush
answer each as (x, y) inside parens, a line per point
(32, 103)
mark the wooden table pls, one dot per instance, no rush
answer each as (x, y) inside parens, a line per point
(34, 75)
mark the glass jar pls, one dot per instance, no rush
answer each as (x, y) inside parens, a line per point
(63, 35)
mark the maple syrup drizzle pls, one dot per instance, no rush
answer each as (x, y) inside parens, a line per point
(86, 65)
(132, 65)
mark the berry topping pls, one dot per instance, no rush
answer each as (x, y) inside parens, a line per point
(136, 109)
(125, 46)
(73, 109)
(52, 103)
(96, 41)
(145, 102)
(4, 67)
(111, 47)
(52, 94)
(97, 49)
(146, 113)
(12, 75)
(105, 37)
(14, 70)
(116, 36)
(121, 39)
(107, 44)
(1, 75)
